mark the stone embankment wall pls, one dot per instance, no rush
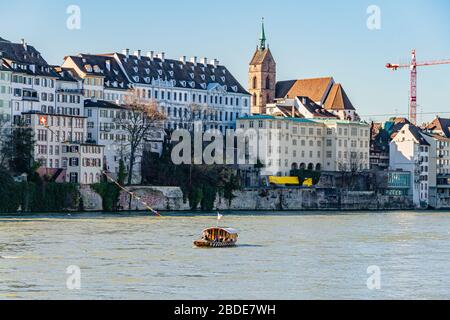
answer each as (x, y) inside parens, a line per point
(171, 199)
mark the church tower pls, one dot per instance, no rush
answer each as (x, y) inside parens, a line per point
(262, 76)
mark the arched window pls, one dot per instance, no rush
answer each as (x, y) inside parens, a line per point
(254, 82)
(318, 167)
(268, 82)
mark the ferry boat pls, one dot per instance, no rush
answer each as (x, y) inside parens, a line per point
(217, 238)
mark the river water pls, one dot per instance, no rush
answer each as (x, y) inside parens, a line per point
(280, 256)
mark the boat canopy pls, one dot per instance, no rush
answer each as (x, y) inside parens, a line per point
(227, 230)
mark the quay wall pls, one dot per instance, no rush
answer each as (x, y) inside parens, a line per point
(171, 199)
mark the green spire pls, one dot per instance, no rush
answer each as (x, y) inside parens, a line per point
(262, 38)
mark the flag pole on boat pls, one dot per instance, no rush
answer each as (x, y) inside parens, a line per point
(219, 217)
(132, 195)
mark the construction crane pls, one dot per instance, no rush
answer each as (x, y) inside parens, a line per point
(413, 67)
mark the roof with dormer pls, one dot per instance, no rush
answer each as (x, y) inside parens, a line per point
(102, 66)
(182, 74)
(24, 58)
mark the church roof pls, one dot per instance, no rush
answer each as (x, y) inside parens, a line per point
(316, 89)
(260, 56)
(337, 99)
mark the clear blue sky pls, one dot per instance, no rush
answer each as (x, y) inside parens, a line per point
(307, 39)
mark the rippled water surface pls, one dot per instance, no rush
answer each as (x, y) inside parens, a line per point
(280, 256)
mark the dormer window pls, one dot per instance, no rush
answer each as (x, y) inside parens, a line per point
(136, 69)
(234, 88)
(183, 83)
(96, 69)
(171, 73)
(223, 79)
(213, 78)
(192, 75)
(203, 76)
(116, 72)
(147, 80)
(88, 68)
(135, 61)
(147, 70)
(136, 78)
(192, 84)
(160, 72)
(203, 85)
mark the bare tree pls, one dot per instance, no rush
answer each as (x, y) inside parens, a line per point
(139, 118)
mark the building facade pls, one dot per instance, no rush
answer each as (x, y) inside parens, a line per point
(412, 151)
(186, 91)
(284, 144)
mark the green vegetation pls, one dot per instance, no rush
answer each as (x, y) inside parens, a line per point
(304, 174)
(200, 183)
(36, 195)
(109, 191)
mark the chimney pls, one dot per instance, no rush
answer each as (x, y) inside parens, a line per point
(194, 60)
(137, 53)
(205, 61)
(24, 44)
(151, 55)
(215, 62)
(162, 56)
(183, 59)
(126, 52)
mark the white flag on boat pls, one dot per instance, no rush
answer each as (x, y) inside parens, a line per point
(219, 216)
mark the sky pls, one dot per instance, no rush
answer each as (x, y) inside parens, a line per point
(307, 39)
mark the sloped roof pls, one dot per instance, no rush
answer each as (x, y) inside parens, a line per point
(66, 74)
(286, 111)
(184, 74)
(25, 56)
(337, 99)
(316, 89)
(315, 109)
(89, 103)
(416, 133)
(111, 75)
(4, 66)
(3, 40)
(440, 124)
(260, 56)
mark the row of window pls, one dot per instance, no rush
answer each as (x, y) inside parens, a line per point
(41, 82)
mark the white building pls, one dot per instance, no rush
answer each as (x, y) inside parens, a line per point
(313, 144)
(103, 129)
(185, 90)
(32, 80)
(60, 148)
(5, 90)
(413, 151)
(83, 163)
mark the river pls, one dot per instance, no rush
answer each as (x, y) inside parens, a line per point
(280, 256)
